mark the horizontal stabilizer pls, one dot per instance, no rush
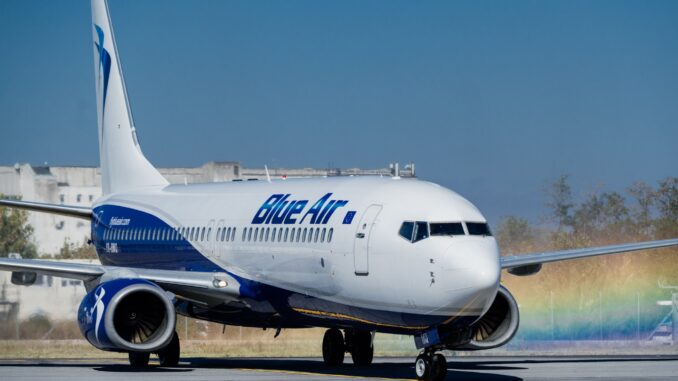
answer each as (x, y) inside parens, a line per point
(64, 210)
(52, 268)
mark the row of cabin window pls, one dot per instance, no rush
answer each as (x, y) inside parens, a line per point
(223, 234)
(287, 234)
(226, 234)
(168, 234)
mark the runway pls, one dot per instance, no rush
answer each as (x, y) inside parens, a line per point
(466, 368)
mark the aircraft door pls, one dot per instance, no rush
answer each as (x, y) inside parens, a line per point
(361, 245)
(210, 239)
(218, 245)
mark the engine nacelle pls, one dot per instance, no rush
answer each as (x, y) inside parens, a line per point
(499, 324)
(127, 315)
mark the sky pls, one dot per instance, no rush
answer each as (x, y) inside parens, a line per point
(493, 99)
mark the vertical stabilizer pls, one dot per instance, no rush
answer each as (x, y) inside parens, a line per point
(123, 165)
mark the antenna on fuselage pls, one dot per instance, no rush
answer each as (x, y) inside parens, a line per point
(268, 176)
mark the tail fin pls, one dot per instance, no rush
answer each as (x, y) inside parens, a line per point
(123, 165)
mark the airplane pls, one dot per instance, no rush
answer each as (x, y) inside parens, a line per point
(354, 255)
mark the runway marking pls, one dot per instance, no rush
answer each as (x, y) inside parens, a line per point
(302, 373)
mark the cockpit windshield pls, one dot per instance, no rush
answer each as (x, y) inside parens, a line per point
(414, 231)
(478, 228)
(446, 228)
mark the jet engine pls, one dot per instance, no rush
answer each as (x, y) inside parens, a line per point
(499, 324)
(127, 315)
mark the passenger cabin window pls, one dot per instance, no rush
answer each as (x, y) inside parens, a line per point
(478, 228)
(446, 228)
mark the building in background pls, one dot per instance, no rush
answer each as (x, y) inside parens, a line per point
(82, 186)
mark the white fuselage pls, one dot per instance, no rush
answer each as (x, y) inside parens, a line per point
(366, 264)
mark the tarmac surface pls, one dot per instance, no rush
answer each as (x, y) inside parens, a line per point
(463, 368)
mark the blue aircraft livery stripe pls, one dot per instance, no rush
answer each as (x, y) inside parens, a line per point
(141, 251)
(104, 63)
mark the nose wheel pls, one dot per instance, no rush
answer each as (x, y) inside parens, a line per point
(430, 367)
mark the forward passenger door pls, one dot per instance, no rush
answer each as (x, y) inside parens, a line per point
(361, 245)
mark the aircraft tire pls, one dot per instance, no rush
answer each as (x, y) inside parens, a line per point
(438, 367)
(169, 356)
(333, 347)
(362, 351)
(422, 367)
(139, 359)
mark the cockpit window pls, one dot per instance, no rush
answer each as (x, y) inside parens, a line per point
(478, 228)
(446, 228)
(420, 231)
(406, 230)
(414, 231)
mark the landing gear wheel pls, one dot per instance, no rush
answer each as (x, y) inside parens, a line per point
(139, 359)
(422, 367)
(333, 347)
(362, 350)
(169, 356)
(438, 367)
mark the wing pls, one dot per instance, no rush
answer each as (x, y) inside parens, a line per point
(200, 287)
(531, 263)
(65, 210)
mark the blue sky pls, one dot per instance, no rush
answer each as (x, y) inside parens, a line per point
(491, 99)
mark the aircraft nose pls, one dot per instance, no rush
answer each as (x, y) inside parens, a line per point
(487, 275)
(474, 264)
(471, 274)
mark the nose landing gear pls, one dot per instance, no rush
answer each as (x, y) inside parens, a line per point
(430, 367)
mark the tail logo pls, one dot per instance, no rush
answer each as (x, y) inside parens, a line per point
(104, 65)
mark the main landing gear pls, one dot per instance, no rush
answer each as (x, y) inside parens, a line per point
(167, 357)
(430, 366)
(357, 343)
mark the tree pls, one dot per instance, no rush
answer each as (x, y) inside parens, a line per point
(513, 233)
(667, 205)
(560, 202)
(641, 213)
(16, 235)
(72, 251)
(598, 213)
(588, 215)
(667, 198)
